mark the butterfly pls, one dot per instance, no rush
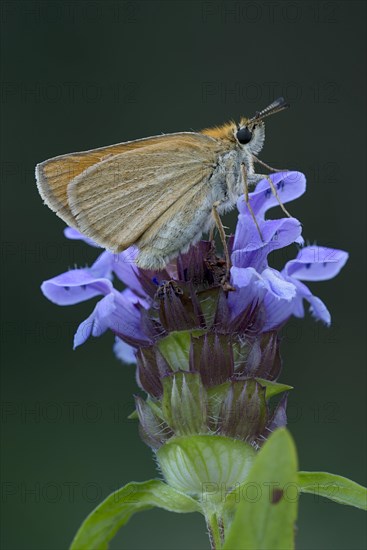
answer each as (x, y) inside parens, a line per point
(159, 193)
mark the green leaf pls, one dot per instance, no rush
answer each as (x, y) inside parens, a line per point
(175, 348)
(334, 487)
(267, 509)
(104, 522)
(273, 388)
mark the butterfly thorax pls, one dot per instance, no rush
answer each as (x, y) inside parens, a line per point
(224, 133)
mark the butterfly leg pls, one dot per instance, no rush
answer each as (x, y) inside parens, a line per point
(275, 193)
(247, 200)
(222, 235)
(211, 233)
(273, 188)
(267, 165)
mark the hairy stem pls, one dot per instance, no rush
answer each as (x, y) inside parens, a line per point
(215, 531)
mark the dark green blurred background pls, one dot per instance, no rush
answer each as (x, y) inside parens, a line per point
(79, 75)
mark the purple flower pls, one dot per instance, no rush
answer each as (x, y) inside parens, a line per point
(281, 293)
(149, 308)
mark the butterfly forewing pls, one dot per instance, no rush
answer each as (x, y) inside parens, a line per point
(115, 201)
(54, 175)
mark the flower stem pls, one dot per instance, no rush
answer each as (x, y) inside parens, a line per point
(215, 530)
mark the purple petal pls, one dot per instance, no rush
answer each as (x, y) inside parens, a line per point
(251, 251)
(117, 312)
(126, 270)
(281, 299)
(243, 276)
(126, 319)
(103, 265)
(75, 235)
(278, 286)
(316, 263)
(249, 288)
(290, 186)
(271, 287)
(277, 311)
(123, 264)
(74, 286)
(124, 352)
(129, 297)
(317, 307)
(97, 323)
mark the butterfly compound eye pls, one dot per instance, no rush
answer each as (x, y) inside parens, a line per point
(244, 135)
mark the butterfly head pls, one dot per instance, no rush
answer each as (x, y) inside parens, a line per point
(250, 133)
(250, 137)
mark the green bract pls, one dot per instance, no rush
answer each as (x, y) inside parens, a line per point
(207, 467)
